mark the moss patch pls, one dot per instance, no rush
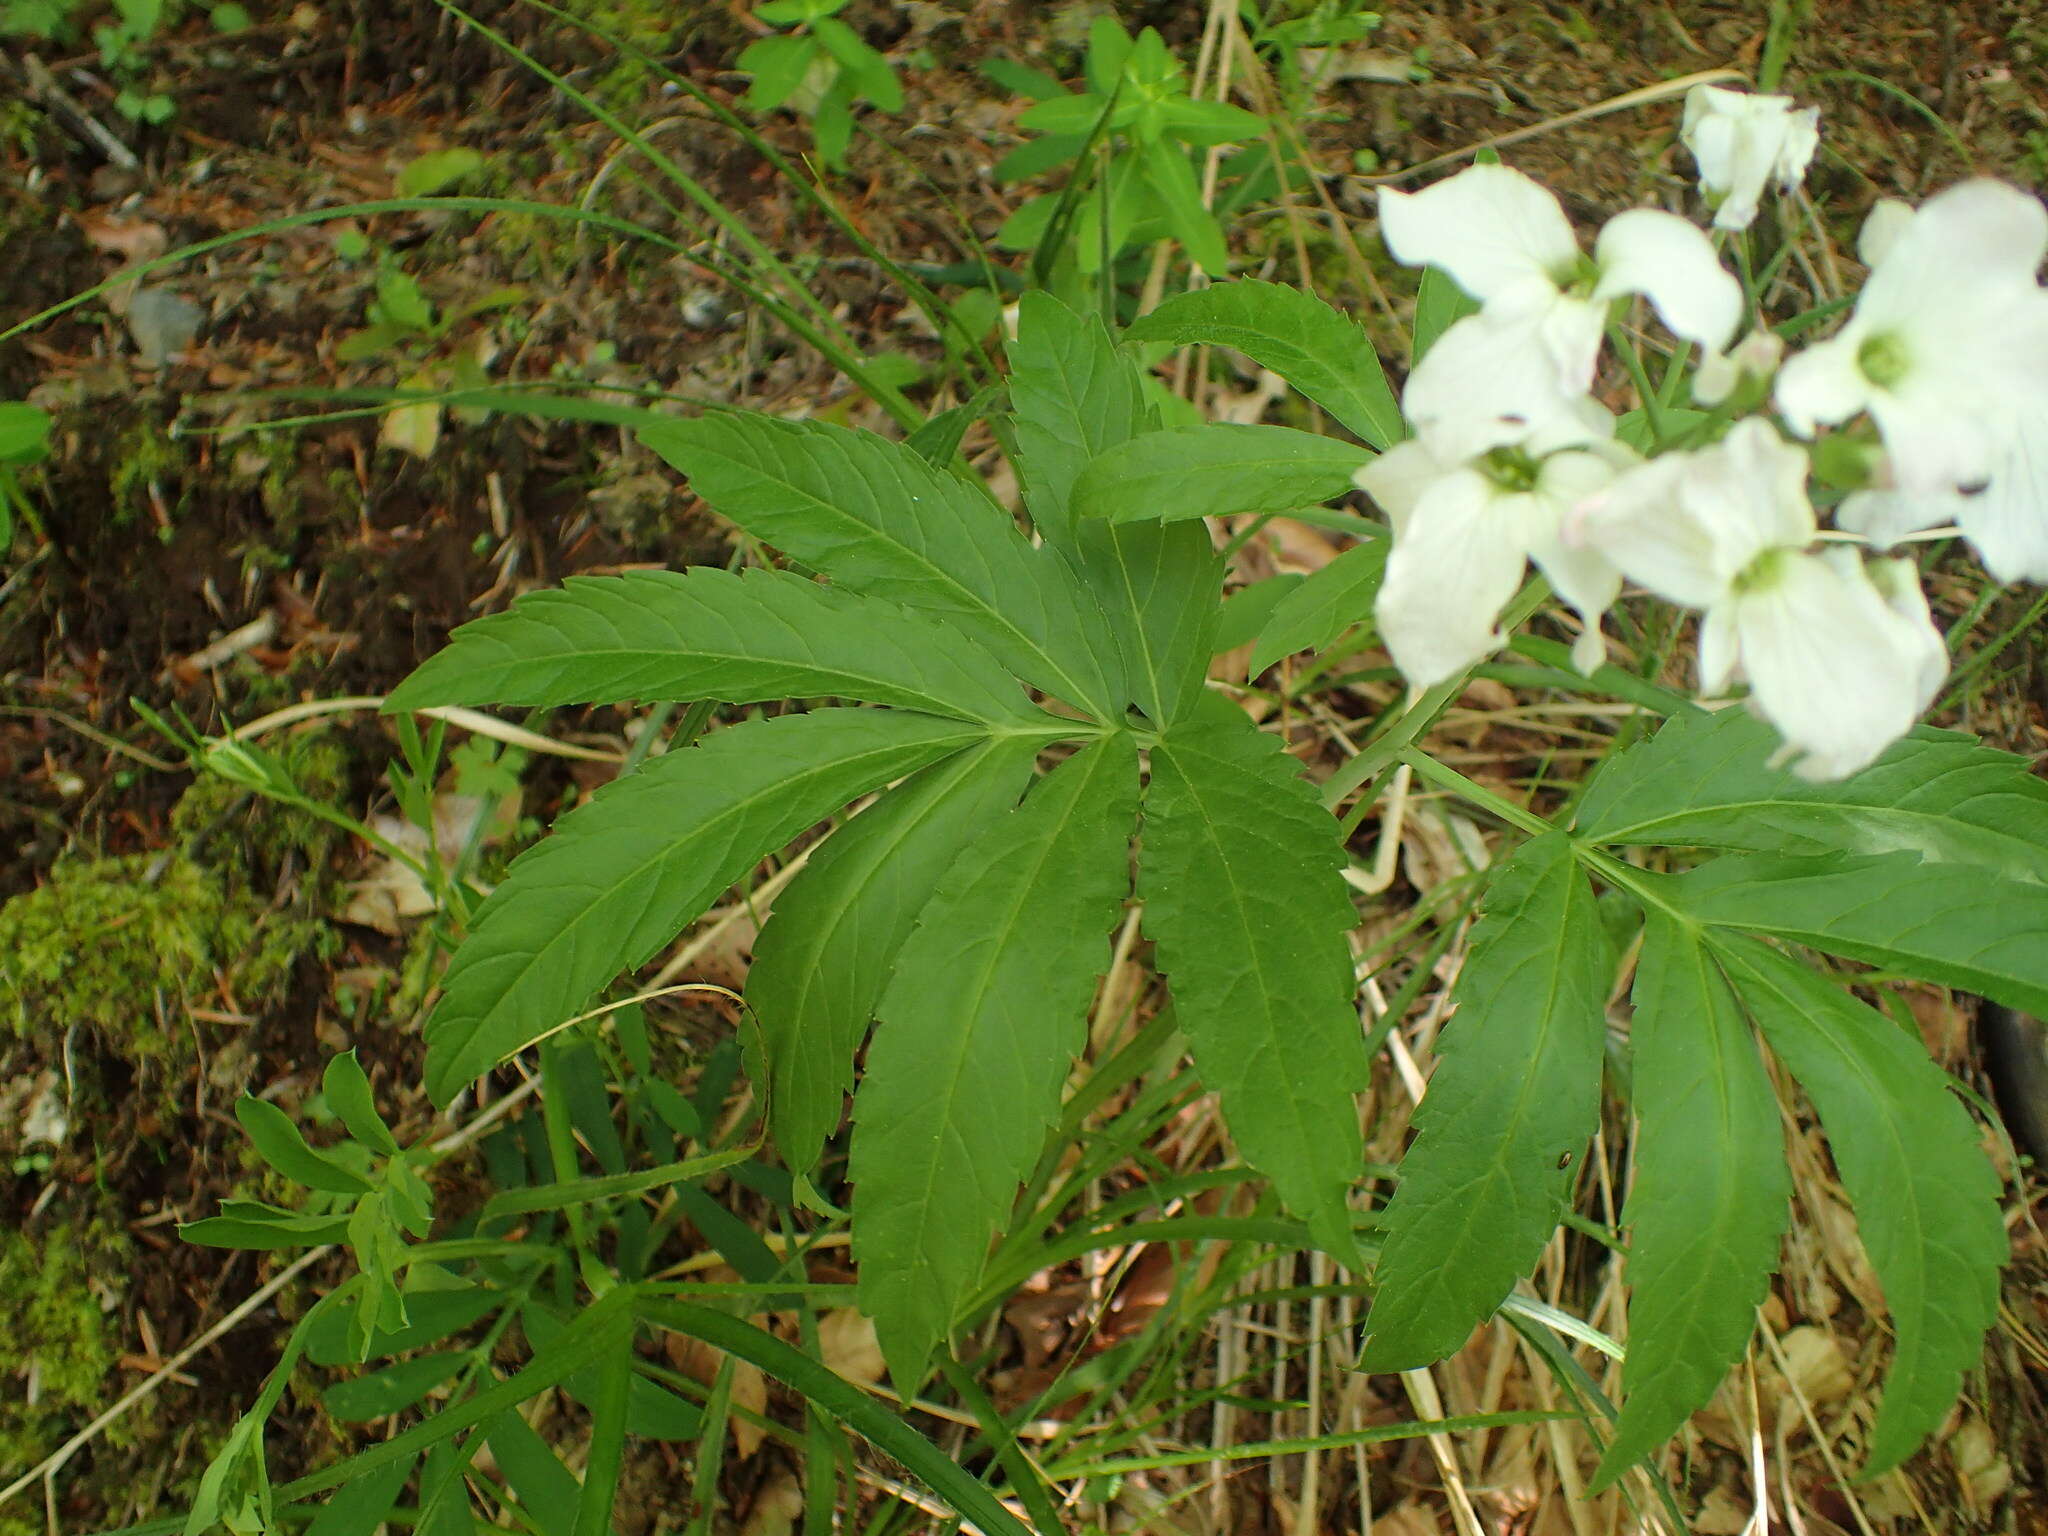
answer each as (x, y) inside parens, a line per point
(118, 944)
(56, 1347)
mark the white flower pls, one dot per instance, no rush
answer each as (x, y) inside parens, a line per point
(1506, 241)
(2005, 520)
(1742, 143)
(1948, 345)
(1840, 659)
(1489, 382)
(1463, 535)
(1755, 357)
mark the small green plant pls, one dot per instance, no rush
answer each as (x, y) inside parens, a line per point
(819, 68)
(1145, 187)
(124, 41)
(424, 344)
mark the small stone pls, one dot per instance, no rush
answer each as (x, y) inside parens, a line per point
(162, 324)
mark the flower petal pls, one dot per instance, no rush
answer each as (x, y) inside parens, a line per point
(1490, 382)
(1398, 479)
(1675, 267)
(1488, 226)
(1581, 575)
(1452, 569)
(2007, 521)
(1687, 525)
(1823, 383)
(1831, 664)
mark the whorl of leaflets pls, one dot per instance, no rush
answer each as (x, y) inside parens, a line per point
(1514, 461)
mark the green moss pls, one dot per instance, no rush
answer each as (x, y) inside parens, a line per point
(149, 469)
(102, 942)
(56, 1348)
(113, 944)
(243, 834)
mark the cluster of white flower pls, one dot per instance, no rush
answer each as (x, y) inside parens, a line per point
(1513, 461)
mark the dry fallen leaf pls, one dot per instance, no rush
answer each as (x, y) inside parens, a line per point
(699, 1361)
(846, 1343)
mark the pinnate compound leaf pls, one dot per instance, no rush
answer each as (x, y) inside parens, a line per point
(1516, 1088)
(1705, 780)
(1319, 350)
(1213, 470)
(619, 877)
(825, 952)
(978, 1029)
(1710, 1195)
(709, 634)
(1327, 603)
(1946, 923)
(1910, 1157)
(1246, 906)
(876, 518)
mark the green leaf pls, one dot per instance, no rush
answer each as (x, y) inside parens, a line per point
(1911, 1159)
(434, 1316)
(24, 432)
(938, 440)
(391, 1388)
(825, 952)
(778, 65)
(622, 875)
(279, 1144)
(1710, 1195)
(347, 1092)
(1170, 176)
(1249, 913)
(708, 634)
(1439, 304)
(1327, 603)
(1065, 116)
(442, 168)
(546, 1489)
(1516, 1088)
(1075, 395)
(1248, 610)
(251, 1224)
(1208, 123)
(360, 1506)
(1705, 780)
(1214, 470)
(881, 1423)
(1945, 923)
(874, 517)
(878, 81)
(1160, 586)
(1317, 349)
(979, 1027)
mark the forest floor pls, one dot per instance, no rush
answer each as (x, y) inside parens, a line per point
(207, 945)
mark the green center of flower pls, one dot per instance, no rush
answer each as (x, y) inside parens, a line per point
(1578, 277)
(1511, 469)
(1762, 573)
(1883, 360)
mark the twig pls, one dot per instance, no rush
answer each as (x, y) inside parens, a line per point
(43, 86)
(1663, 90)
